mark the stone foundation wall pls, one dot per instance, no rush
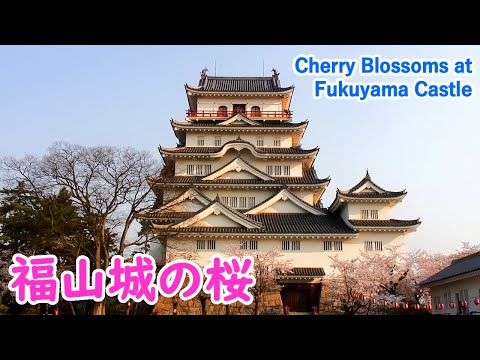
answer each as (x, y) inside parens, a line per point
(271, 304)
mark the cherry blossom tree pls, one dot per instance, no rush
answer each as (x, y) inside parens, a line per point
(266, 269)
(362, 284)
(429, 264)
(426, 264)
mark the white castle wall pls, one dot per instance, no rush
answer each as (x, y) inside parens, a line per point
(311, 253)
(212, 103)
(209, 138)
(260, 164)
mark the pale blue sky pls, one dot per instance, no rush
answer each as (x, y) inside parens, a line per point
(126, 95)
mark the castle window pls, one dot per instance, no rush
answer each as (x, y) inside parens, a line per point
(364, 214)
(256, 111)
(218, 141)
(222, 111)
(200, 140)
(239, 108)
(277, 170)
(259, 140)
(373, 246)
(239, 202)
(333, 245)
(248, 245)
(199, 169)
(374, 214)
(242, 202)
(293, 245)
(276, 141)
(211, 244)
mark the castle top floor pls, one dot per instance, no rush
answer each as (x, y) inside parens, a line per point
(258, 98)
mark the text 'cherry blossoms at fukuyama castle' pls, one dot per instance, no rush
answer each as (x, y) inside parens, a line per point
(423, 87)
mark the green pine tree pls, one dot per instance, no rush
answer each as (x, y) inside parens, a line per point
(36, 225)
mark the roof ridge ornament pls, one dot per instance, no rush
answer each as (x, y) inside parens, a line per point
(276, 81)
(367, 175)
(204, 73)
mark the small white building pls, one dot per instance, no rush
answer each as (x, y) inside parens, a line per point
(239, 176)
(455, 290)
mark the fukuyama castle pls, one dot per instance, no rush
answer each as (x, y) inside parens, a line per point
(239, 176)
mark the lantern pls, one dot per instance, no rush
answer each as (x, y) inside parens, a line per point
(395, 305)
(464, 303)
(385, 303)
(441, 306)
(477, 301)
(373, 301)
(405, 306)
(355, 296)
(452, 305)
(428, 307)
(364, 298)
(416, 307)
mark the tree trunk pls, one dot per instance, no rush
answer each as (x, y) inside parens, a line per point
(99, 308)
(123, 238)
(72, 308)
(257, 304)
(203, 303)
(135, 307)
(43, 309)
(129, 307)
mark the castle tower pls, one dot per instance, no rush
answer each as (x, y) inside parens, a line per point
(240, 177)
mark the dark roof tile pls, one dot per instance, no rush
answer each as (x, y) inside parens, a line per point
(384, 223)
(283, 223)
(215, 149)
(458, 267)
(303, 223)
(167, 214)
(260, 124)
(370, 195)
(309, 178)
(388, 194)
(307, 272)
(239, 84)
